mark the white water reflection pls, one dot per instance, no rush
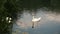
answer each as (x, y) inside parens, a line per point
(49, 23)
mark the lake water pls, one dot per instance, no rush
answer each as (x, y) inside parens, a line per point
(49, 23)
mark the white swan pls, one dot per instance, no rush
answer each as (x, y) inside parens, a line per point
(35, 20)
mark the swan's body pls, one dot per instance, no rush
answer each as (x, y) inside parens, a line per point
(36, 19)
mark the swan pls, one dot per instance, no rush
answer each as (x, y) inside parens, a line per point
(35, 20)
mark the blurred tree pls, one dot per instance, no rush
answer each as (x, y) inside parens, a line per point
(7, 9)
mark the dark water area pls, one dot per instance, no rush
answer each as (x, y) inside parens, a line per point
(49, 24)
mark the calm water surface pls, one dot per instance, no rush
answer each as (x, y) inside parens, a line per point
(49, 24)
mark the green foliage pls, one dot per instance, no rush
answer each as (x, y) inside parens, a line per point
(6, 9)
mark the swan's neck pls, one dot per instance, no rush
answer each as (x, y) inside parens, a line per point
(33, 17)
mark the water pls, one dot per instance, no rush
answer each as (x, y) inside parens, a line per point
(49, 24)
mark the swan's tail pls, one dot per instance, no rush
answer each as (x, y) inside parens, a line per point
(39, 18)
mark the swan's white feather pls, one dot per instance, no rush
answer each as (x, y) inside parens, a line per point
(36, 19)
